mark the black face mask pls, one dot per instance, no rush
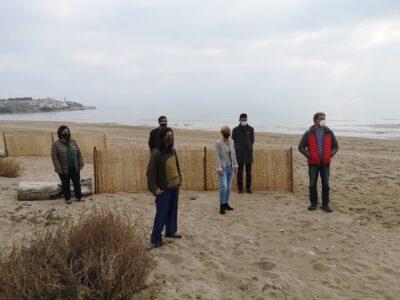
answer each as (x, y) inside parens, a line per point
(168, 141)
(226, 135)
(66, 135)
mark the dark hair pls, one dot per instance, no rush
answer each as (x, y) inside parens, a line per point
(61, 129)
(317, 115)
(160, 118)
(242, 116)
(160, 142)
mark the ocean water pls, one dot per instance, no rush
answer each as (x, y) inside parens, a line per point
(342, 122)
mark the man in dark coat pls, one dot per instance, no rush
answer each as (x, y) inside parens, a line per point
(243, 136)
(153, 139)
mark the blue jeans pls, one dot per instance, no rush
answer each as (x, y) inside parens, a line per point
(225, 185)
(166, 215)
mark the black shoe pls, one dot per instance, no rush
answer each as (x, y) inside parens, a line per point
(312, 207)
(222, 209)
(249, 191)
(151, 246)
(327, 209)
(175, 236)
(227, 207)
(240, 191)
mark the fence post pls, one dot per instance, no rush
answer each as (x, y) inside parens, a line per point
(105, 141)
(5, 144)
(291, 170)
(95, 170)
(52, 137)
(205, 168)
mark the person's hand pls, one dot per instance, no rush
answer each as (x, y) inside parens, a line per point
(159, 192)
(220, 173)
(235, 170)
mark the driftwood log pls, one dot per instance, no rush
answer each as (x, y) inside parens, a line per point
(28, 191)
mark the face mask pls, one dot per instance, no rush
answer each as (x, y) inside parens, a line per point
(243, 123)
(163, 124)
(66, 135)
(168, 140)
(226, 135)
(322, 123)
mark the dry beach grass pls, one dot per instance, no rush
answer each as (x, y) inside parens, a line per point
(270, 246)
(10, 167)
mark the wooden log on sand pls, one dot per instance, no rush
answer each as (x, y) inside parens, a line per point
(28, 191)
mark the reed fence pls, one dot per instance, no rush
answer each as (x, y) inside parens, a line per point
(125, 170)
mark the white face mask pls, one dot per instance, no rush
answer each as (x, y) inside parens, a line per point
(243, 123)
(322, 123)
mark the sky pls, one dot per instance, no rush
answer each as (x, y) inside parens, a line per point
(205, 57)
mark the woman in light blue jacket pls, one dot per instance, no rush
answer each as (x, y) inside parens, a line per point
(226, 165)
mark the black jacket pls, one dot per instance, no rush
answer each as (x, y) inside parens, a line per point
(153, 139)
(243, 137)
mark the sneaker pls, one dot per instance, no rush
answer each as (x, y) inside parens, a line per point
(249, 191)
(80, 199)
(240, 191)
(327, 209)
(151, 246)
(175, 236)
(227, 207)
(68, 201)
(312, 207)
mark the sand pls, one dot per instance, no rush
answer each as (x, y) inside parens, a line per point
(270, 246)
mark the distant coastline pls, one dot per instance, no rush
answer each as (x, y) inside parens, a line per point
(27, 105)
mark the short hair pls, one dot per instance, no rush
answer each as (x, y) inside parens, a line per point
(61, 129)
(160, 118)
(225, 129)
(317, 115)
(242, 116)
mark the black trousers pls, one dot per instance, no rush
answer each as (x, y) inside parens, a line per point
(75, 177)
(324, 172)
(240, 176)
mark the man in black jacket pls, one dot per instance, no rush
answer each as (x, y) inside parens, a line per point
(153, 139)
(243, 136)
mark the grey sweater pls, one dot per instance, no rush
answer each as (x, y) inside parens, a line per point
(221, 158)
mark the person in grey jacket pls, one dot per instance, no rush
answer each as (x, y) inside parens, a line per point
(68, 162)
(226, 165)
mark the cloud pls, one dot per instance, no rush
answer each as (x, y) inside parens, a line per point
(199, 52)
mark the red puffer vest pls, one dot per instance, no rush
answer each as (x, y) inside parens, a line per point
(314, 151)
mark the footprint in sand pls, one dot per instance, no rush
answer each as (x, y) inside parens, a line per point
(172, 258)
(265, 265)
(321, 267)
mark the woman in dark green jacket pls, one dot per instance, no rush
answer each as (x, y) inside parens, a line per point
(68, 162)
(164, 179)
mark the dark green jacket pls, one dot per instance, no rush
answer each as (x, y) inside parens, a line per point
(156, 170)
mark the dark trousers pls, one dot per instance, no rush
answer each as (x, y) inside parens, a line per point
(314, 171)
(166, 215)
(75, 177)
(240, 176)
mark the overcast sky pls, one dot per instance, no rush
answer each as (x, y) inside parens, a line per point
(188, 54)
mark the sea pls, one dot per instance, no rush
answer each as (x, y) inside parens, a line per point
(344, 122)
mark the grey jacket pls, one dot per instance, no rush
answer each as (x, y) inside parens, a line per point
(60, 158)
(221, 158)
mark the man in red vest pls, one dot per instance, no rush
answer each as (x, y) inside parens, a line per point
(319, 145)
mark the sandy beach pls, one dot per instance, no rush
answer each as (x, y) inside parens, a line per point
(270, 246)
